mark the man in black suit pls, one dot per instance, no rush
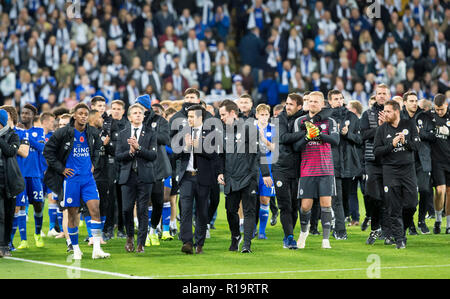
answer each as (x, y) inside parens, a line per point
(136, 149)
(197, 173)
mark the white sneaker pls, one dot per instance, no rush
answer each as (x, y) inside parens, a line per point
(99, 254)
(77, 254)
(208, 233)
(326, 244)
(302, 239)
(52, 233)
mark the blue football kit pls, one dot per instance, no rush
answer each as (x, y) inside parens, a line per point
(81, 185)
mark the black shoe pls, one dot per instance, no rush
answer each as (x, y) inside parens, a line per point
(246, 249)
(423, 228)
(212, 226)
(314, 231)
(340, 235)
(173, 231)
(187, 248)
(447, 230)
(400, 245)
(235, 241)
(412, 230)
(87, 239)
(389, 241)
(69, 248)
(365, 223)
(374, 235)
(121, 234)
(437, 228)
(274, 219)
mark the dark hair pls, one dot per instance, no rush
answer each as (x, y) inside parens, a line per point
(60, 111)
(192, 90)
(439, 99)
(32, 108)
(93, 112)
(169, 111)
(279, 107)
(46, 115)
(230, 106)
(12, 111)
(96, 99)
(297, 98)
(332, 93)
(409, 93)
(395, 105)
(158, 106)
(80, 106)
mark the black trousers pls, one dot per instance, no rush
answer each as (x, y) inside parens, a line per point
(338, 203)
(286, 190)
(120, 221)
(214, 199)
(106, 204)
(157, 199)
(403, 202)
(190, 189)
(376, 199)
(7, 207)
(425, 191)
(232, 200)
(135, 191)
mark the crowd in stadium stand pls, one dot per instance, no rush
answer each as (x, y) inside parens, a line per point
(123, 48)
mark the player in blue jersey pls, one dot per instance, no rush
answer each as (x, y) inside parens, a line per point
(266, 133)
(72, 152)
(47, 120)
(19, 221)
(31, 171)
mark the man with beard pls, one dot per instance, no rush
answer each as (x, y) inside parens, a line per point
(411, 111)
(346, 160)
(370, 121)
(287, 170)
(238, 172)
(395, 142)
(440, 157)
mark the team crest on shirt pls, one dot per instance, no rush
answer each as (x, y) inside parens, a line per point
(301, 192)
(386, 189)
(69, 200)
(323, 126)
(34, 134)
(279, 184)
(448, 123)
(153, 125)
(420, 122)
(269, 134)
(405, 132)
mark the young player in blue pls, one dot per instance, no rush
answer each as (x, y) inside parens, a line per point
(266, 132)
(47, 120)
(31, 171)
(73, 151)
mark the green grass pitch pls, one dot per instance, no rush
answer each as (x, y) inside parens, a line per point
(426, 256)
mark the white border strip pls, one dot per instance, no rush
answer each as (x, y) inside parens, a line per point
(216, 274)
(78, 268)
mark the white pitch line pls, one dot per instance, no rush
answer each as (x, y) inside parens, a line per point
(78, 268)
(218, 274)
